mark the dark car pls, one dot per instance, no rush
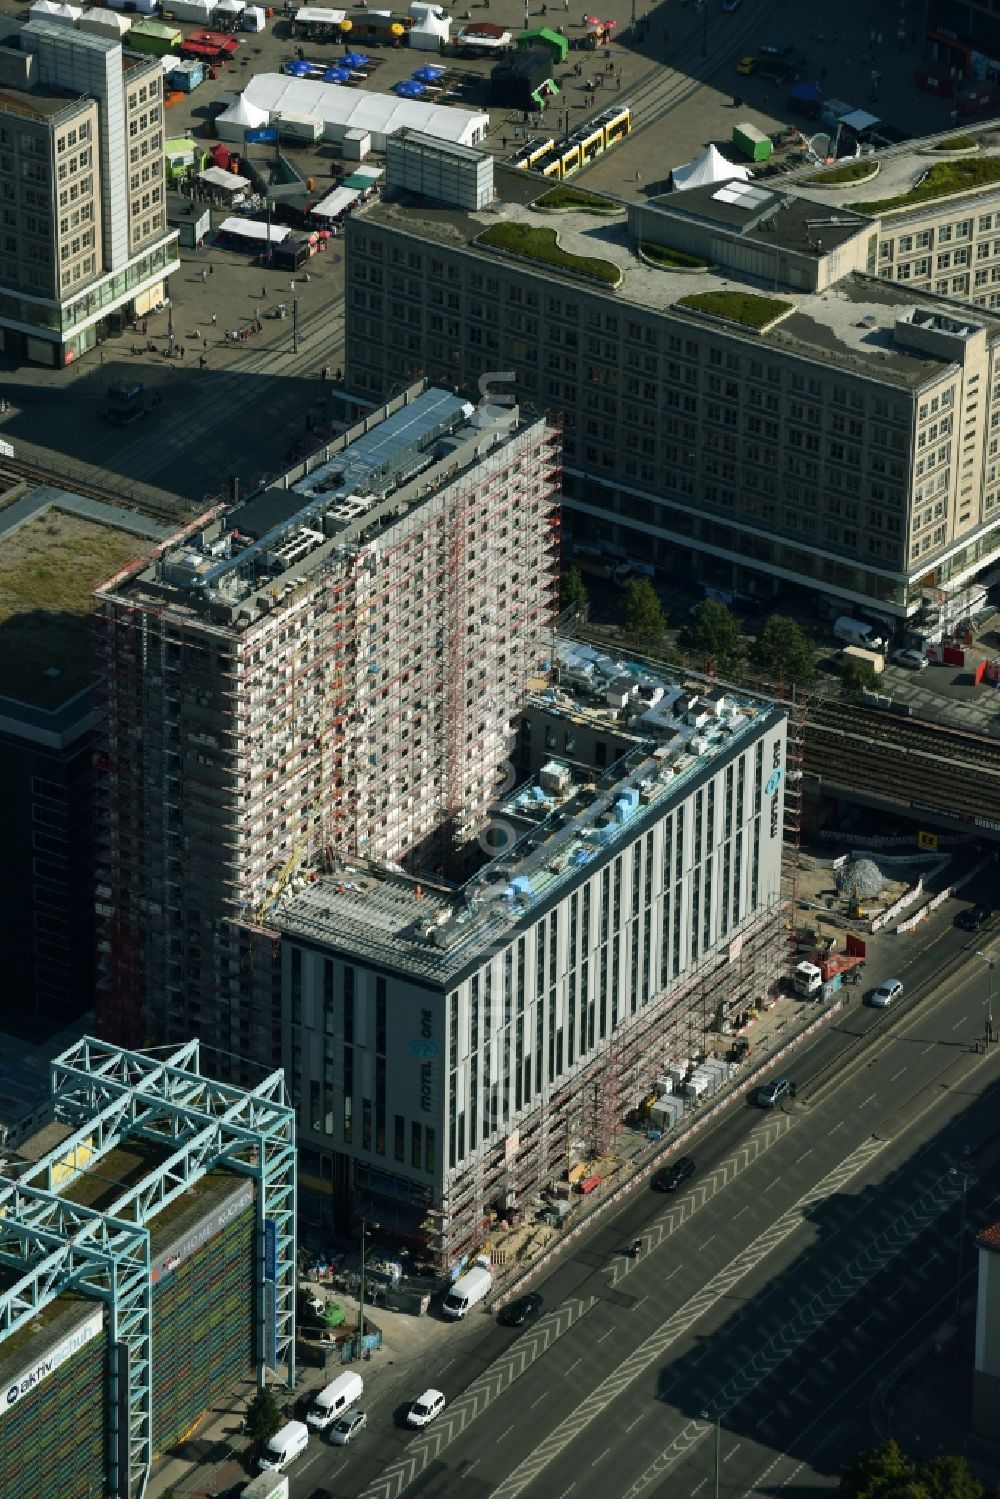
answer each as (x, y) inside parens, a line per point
(671, 1177)
(972, 919)
(769, 1095)
(518, 1312)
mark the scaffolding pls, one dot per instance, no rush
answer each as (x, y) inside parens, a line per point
(106, 1095)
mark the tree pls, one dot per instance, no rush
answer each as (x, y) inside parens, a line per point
(876, 1472)
(783, 652)
(856, 675)
(264, 1419)
(887, 1473)
(643, 614)
(949, 1478)
(572, 590)
(711, 632)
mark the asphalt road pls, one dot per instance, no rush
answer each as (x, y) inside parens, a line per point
(813, 1243)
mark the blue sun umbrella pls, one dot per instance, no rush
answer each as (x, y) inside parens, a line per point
(355, 59)
(409, 89)
(805, 93)
(299, 69)
(337, 75)
(428, 74)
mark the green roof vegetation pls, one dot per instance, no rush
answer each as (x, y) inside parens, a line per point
(737, 306)
(956, 143)
(672, 259)
(48, 569)
(851, 171)
(576, 197)
(944, 179)
(542, 245)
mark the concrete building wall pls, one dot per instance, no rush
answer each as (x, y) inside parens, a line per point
(412, 1087)
(691, 446)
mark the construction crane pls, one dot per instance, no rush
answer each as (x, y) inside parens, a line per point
(277, 889)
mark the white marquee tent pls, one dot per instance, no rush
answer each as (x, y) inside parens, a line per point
(431, 27)
(342, 109)
(240, 117)
(710, 167)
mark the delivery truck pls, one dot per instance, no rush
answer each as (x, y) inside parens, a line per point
(855, 632)
(267, 1485)
(468, 1291)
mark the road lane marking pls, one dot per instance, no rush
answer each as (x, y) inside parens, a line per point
(652, 1349)
(505, 1433)
(928, 1048)
(804, 1154)
(468, 1470)
(605, 1334)
(870, 1099)
(542, 1396)
(963, 1021)
(938, 1198)
(705, 1243)
(732, 1452)
(633, 1423)
(897, 1074)
(603, 1455)
(572, 1366)
(740, 1213)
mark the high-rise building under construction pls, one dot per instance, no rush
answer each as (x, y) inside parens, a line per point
(334, 668)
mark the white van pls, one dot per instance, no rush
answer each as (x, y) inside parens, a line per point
(334, 1399)
(856, 632)
(285, 1446)
(467, 1292)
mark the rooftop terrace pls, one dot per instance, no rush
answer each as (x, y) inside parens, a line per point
(567, 819)
(845, 325)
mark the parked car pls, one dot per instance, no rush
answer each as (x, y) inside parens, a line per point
(746, 65)
(973, 918)
(671, 1177)
(769, 1095)
(912, 660)
(424, 1409)
(347, 1427)
(883, 996)
(518, 1312)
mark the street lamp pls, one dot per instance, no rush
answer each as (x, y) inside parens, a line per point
(718, 1445)
(990, 960)
(361, 1288)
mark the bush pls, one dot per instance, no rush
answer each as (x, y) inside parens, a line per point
(542, 245)
(943, 180)
(575, 197)
(737, 306)
(663, 255)
(851, 171)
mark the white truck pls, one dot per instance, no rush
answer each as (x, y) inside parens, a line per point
(468, 1291)
(284, 1447)
(267, 1485)
(331, 1402)
(855, 632)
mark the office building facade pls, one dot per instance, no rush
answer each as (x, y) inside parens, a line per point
(453, 1051)
(84, 242)
(834, 435)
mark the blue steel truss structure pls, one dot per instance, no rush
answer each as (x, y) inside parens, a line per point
(107, 1095)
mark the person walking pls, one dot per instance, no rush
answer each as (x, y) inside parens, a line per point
(215, 318)
(211, 269)
(204, 275)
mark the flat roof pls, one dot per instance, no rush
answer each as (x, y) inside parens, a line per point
(569, 818)
(763, 215)
(844, 325)
(49, 566)
(43, 103)
(328, 508)
(900, 169)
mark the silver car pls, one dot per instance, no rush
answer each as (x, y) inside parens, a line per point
(913, 660)
(883, 996)
(347, 1427)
